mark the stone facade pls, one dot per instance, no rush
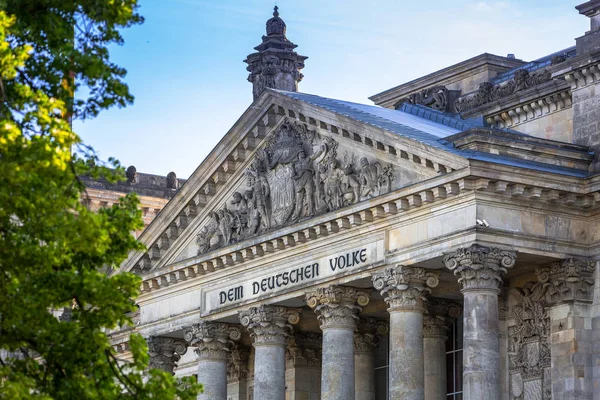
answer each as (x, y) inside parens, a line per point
(324, 242)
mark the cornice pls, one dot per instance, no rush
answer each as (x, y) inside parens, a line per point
(390, 96)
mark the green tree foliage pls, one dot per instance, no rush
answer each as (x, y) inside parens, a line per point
(53, 250)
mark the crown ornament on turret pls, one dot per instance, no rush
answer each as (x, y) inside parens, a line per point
(275, 64)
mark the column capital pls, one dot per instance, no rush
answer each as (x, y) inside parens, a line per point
(304, 350)
(337, 306)
(212, 340)
(237, 363)
(368, 331)
(480, 268)
(270, 325)
(404, 288)
(568, 280)
(165, 352)
(438, 317)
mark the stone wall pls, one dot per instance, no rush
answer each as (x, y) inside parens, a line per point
(557, 126)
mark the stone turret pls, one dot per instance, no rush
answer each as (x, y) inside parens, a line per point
(275, 64)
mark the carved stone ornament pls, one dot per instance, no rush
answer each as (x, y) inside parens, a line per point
(568, 280)
(237, 363)
(270, 324)
(297, 175)
(436, 97)
(405, 288)
(212, 340)
(480, 268)
(528, 342)
(367, 334)
(304, 350)
(488, 92)
(165, 352)
(438, 317)
(337, 306)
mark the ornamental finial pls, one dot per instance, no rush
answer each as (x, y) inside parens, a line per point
(275, 12)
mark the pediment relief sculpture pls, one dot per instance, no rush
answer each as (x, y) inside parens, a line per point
(298, 175)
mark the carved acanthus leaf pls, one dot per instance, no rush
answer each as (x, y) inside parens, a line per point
(270, 324)
(165, 352)
(337, 306)
(480, 268)
(568, 280)
(405, 288)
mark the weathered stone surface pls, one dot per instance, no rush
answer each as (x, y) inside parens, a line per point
(269, 327)
(165, 352)
(436, 324)
(366, 339)
(337, 309)
(404, 290)
(480, 270)
(213, 343)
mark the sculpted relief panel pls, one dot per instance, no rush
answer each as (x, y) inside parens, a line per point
(299, 174)
(528, 343)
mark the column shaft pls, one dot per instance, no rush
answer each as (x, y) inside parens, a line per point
(364, 367)
(269, 327)
(337, 378)
(480, 271)
(337, 311)
(269, 372)
(481, 356)
(434, 349)
(407, 380)
(212, 374)
(404, 289)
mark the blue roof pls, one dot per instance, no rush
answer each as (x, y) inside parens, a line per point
(395, 121)
(423, 125)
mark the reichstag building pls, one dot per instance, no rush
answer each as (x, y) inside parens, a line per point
(440, 244)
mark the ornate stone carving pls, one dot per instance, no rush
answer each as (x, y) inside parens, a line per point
(212, 340)
(172, 182)
(131, 174)
(270, 324)
(405, 288)
(297, 175)
(568, 280)
(165, 352)
(337, 306)
(304, 350)
(528, 342)
(480, 268)
(275, 64)
(438, 316)
(367, 334)
(237, 364)
(487, 92)
(436, 97)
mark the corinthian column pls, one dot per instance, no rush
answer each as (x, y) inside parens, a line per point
(213, 341)
(337, 309)
(436, 324)
(165, 352)
(366, 339)
(480, 271)
(269, 327)
(404, 289)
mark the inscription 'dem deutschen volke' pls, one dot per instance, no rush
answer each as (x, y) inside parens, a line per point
(292, 277)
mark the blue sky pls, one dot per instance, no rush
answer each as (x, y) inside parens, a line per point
(187, 75)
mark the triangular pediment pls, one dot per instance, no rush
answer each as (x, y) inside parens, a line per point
(285, 161)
